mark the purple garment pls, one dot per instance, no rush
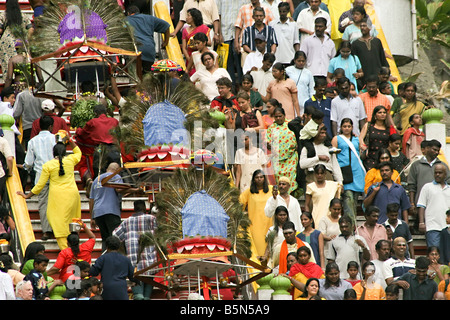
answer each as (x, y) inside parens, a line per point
(71, 28)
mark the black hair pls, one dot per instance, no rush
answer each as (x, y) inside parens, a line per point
(320, 81)
(392, 289)
(261, 9)
(283, 4)
(278, 210)
(320, 20)
(319, 167)
(280, 67)
(132, 9)
(345, 218)
(248, 77)
(395, 137)
(207, 53)
(374, 112)
(422, 262)
(345, 44)
(59, 150)
(6, 92)
(73, 241)
(299, 54)
(372, 78)
(346, 120)
(139, 206)
(380, 243)
(371, 209)
(31, 251)
(200, 36)
(303, 248)
(40, 258)
(112, 243)
(384, 164)
(334, 201)
(99, 109)
(253, 188)
(279, 109)
(352, 264)
(328, 268)
(269, 56)
(45, 122)
(392, 207)
(275, 103)
(196, 15)
(380, 152)
(305, 293)
(13, 14)
(434, 143)
(350, 294)
(360, 9)
(288, 225)
(342, 80)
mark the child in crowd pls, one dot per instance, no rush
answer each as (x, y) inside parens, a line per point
(353, 271)
(399, 227)
(40, 289)
(312, 119)
(413, 137)
(80, 271)
(337, 74)
(331, 93)
(399, 160)
(194, 62)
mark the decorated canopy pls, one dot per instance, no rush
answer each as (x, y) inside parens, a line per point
(202, 215)
(166, 65)
(164, 124)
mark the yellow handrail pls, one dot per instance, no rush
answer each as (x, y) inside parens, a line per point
(19, 209)
(173, 47)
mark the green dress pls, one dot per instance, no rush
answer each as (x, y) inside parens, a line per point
(284, 154)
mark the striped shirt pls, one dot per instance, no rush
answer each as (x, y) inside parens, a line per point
(130, 231)
(250, 34)
(245, 17)
(394, 267)
(227, 12)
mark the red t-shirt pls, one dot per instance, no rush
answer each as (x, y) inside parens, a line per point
(65, 258)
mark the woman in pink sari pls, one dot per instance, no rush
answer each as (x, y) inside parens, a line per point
(194, 20)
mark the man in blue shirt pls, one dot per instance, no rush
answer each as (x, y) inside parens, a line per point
(385, 192)
(105, 204)
(144, 26)
(321, 102)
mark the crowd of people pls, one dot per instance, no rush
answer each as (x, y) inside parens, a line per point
(316, 116)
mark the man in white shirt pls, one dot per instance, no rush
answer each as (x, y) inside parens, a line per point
(307, 17)
(254, 59)
(40, 151)
(319, 48)
(287, 35)
(263, 76)
(433, 203)
(281, 197)
(347, 106)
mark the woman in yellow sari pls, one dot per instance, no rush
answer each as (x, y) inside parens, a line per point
(403, 109)
(63, 198)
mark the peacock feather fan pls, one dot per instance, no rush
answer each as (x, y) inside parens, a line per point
(152, 90)
(107, 15)
(177, 190)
